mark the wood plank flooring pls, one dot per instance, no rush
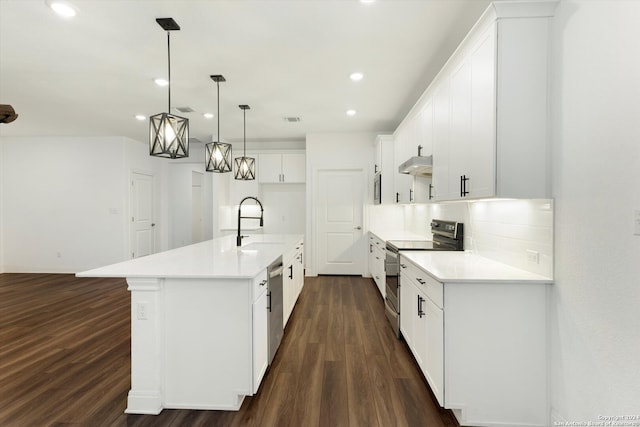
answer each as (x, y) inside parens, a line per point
(65, 361)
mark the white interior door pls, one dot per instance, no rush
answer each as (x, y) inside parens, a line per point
(338, 208)
(142, 226)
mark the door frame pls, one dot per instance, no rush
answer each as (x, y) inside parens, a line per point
(312, 226)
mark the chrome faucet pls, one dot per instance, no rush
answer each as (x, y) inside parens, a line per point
(240, 217)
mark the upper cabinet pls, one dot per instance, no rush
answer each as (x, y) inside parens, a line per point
(281, 168)
(484, 117)
(383, 170)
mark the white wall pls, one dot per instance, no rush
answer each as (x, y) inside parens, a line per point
(596, 184)
(66, 200)
(336, 150)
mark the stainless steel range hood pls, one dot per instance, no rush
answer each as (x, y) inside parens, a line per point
(417, 165)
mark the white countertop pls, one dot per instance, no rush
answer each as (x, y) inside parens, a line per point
(217, 258)
(399, 235)
(462, 266)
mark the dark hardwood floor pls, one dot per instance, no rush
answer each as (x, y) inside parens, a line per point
(65, 361)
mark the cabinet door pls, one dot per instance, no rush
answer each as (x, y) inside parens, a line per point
(298, 275)
(481, 151)
(441, 118)
(420, 329)
(460, 129)
(288, 290)
(270, 168)
(431, 347)
(293, 168)
(408, 294)
(260, 340)
(403, 183)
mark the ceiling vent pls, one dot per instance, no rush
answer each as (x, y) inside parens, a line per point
(185, 109)
(292, 119)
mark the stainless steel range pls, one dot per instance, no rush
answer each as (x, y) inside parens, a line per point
(447, 236)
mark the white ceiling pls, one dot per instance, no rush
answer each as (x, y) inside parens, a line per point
(90, 75)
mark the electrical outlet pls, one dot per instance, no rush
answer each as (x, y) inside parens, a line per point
(533, 256)
(143, 310)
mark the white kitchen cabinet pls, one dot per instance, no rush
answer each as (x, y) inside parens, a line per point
(404, 139)
(276, 168)
(293, 279)
(376, 262)
(421, 323)
(384, 166)
(481, 345)
(490, 108)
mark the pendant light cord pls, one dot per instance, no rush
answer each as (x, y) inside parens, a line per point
(244, 132)
(169, 67)
(218, 92)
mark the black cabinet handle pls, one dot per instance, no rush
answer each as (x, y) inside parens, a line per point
(291, 272)
(397, 197)
(463, 185)
(420, 301)
(375, 168)
(430, 191)
(264, 282)
(410, 195)
(422, 282)
(370, 248)
(269, 301)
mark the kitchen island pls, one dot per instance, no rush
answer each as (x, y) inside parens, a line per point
(198, 321)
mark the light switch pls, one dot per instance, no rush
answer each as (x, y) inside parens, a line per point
(636, 222)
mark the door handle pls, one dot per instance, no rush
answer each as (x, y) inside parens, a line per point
(357, 228)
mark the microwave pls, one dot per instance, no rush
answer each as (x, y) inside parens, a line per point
(377, 189)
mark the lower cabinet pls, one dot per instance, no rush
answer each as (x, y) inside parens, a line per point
(293, 279)
(422, 326)
(376, 262)
(480, 345)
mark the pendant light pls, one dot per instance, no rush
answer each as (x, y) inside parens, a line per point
(168, 134)
(245, 166)
(218, 154)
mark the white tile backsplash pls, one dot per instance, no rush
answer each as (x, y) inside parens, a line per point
(503, 230)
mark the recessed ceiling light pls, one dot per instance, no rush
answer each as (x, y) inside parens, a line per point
(208, 115)
(356, 77)
(351, 112)
(161, 82)
(62, 8)
(140, 117)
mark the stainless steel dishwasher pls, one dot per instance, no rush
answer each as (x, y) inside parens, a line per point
(275, 307)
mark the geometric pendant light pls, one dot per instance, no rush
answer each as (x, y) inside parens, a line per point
(245, 166)
(168, 133)
(218, 154)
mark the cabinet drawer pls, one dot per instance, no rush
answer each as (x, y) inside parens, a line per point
(259, 284)
(425, 283)
(376, 242)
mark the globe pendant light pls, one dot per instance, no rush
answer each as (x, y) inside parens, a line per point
(245, 166)
(218, 154)
(168, 134)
